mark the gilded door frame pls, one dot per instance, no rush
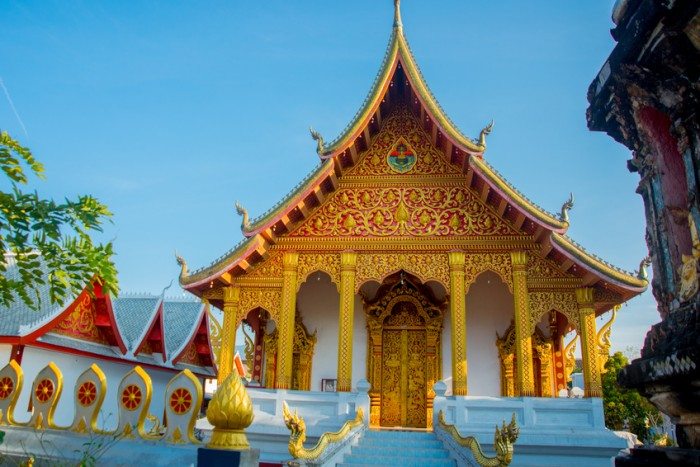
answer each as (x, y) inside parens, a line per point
(376, 313)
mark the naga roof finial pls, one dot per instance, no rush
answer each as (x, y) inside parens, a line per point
(397, 14)
(183, 265)
(485, 132)
(320, 144)
(642, 271)
(245, 221)
(565, 208)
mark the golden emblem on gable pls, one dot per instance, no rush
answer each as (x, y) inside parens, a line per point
(418, 155)
(402, 157)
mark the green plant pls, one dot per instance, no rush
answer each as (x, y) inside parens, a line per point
(625, 409)
(47, 241)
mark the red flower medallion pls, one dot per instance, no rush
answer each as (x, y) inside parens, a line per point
(44, 390)
(87, 393)
(131, 397)
(180, 400)
(6, 387)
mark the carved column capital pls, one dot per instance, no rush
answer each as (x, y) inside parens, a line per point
(232, 296)
(457, 260)
(348, 261)
(584, 297)
(518, 259)
(290, 261)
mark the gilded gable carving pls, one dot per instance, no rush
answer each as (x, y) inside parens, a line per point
(254, 297)
(499, 263)
(419, 211)
(543, 268)
(425, 266)
(271, 268)
(328, 263)
(403, 125)
(544, 302)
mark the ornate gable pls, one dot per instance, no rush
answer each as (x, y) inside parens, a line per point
(403, 186)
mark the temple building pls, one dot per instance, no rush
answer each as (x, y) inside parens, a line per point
(163, 335)
(405, 259)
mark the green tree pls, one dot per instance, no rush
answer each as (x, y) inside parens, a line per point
(44, 241)
(625, 408)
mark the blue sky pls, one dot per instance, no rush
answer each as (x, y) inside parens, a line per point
(169, 111)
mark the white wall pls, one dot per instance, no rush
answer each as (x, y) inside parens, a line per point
(5, 352)
(489, 310)
(446, 344)
(318, 302)
(359, 343)
(71, 366)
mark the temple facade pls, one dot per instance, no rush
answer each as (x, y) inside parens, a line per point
(405, 259)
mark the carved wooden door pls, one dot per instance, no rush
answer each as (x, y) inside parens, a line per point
(403, 394)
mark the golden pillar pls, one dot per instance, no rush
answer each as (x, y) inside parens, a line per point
(525, 381)
(232, 295)
(458, 322)
(348, 262)
(285, 342)
(589, 344)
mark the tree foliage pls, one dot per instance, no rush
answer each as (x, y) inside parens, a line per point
(625, 409)
(48, 242)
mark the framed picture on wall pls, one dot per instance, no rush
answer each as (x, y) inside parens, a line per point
(329, 385)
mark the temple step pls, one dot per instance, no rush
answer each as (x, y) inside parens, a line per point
(400, 448)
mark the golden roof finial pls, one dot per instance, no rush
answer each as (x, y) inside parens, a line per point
(397, 14)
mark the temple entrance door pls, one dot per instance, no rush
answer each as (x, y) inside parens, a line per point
(404, 392)
(404, 323)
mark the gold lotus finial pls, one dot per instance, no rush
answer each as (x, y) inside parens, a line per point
(231, 412)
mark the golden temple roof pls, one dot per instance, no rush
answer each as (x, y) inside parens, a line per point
(399, 70)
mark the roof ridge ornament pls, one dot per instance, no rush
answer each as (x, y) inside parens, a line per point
(565, 208)
(320, 143)
(397, 15)
(642, 271)
(484, 133)
(183, 266)
(245, 221)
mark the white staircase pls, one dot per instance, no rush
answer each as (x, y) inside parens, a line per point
(393, 447)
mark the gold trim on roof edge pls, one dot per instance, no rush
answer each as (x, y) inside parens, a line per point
(624, 278)
(531, 208)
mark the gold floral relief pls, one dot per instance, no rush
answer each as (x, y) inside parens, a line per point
(326, 262)
(403, 124)
(377, 266)
(254, 297)
(498, 263)
(544, 302)
(80, 322)
(543, 268)
(270, 268)
(404, 211)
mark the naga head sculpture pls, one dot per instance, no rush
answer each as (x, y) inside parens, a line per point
(503, 441)
(295, 424)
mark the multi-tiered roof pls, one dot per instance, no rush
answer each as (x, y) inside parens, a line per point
(400, 83)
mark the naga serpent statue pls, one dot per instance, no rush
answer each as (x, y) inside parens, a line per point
(320, 144)
(297, 427)
(485, 132)
(503, 441)
(565, 208)
(245, 222)
(642, 271)
(183, 265)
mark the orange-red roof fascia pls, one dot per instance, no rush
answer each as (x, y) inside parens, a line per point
(254, 246)
(113, 323)
(157, 320)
